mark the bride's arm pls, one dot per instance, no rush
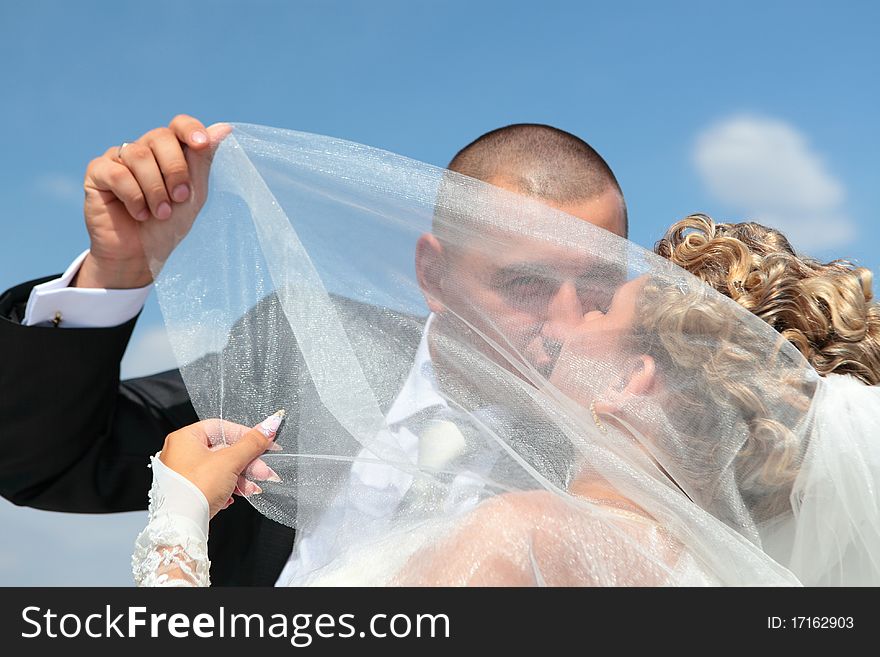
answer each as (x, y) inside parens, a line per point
(172, 550)
(193, 478)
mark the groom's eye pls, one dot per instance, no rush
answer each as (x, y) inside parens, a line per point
(528, 292)
(594, 296)
(528, 285)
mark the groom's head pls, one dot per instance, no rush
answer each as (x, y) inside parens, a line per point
(527, 289)
(550, 165)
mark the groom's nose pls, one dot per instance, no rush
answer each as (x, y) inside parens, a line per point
(564, 309)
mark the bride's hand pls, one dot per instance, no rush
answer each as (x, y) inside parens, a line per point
(215, 454)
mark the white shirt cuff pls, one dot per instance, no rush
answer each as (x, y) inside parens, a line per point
(180, 496)
(79, 307)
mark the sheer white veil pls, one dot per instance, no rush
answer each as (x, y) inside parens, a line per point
(507, 443)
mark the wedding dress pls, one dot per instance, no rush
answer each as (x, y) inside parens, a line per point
(507, 455)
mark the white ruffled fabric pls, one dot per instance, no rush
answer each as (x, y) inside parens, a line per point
(172, 550)
(833, 537)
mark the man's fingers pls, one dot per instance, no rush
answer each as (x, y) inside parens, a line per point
(190, 131)
(172, 162)
(141, 161)
(199, 161)
(107, 175)
(217, 132)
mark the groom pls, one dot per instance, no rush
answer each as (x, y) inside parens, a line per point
(62, 338)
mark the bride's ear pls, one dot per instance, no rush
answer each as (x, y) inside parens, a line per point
(430, 268)
(642, 376)
(638, 378)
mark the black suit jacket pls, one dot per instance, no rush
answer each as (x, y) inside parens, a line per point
(75, 438)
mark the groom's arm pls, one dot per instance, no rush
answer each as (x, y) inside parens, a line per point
(95, 433)
(61, 341)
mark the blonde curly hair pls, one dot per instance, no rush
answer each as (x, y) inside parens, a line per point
(826, 310)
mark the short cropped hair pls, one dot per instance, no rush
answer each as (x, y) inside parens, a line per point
(540, 161)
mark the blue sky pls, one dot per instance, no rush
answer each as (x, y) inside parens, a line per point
(764, 110)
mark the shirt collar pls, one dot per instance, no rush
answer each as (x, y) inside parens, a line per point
(420, 391)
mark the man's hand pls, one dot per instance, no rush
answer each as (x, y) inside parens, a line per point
(155, 186)
(215, 455)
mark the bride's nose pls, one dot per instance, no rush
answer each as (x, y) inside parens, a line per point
(564, 311)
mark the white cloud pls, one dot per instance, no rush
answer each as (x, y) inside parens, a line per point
(60, 187)
(767, 170)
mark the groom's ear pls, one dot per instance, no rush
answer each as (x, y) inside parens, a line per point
(430, 270)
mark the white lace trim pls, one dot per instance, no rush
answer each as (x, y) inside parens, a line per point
(172, 550)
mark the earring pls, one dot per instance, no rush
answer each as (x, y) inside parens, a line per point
(596, 417)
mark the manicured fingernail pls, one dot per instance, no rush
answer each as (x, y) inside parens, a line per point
(269, 426)
(252, 489)
(163, 211)
(180, 193)
(199, 137)
(273, 476)
(274, 447)
(143, 215)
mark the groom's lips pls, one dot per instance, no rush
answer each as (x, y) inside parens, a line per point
(543, 353)
(552, 348)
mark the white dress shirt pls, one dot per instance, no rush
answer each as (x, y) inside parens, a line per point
(373, 491)
(78, 307)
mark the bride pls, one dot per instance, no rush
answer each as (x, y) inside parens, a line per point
(712, 420)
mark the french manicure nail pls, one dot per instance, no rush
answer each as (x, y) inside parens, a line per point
(199, 137)
(269, 426)
(273, 476)
(163, 211)
(180, 193)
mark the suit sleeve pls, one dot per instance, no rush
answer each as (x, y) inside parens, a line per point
(73, 437)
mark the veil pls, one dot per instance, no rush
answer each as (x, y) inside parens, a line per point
(481, 389)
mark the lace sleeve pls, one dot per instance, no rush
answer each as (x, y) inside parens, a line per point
(173, 548)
